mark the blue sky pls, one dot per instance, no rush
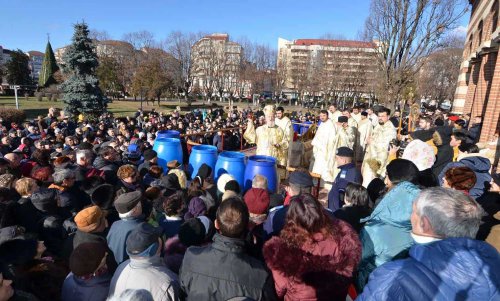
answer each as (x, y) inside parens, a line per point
(24, 24)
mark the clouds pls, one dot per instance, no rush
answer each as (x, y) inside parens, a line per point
(460, 30)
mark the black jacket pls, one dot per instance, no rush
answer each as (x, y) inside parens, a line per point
(224, 270)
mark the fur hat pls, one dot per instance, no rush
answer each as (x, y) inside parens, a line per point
(400, 170)
(460, 178)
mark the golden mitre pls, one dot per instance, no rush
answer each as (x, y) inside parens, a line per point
(269, 110)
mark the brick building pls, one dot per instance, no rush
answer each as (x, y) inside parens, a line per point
(478, 90)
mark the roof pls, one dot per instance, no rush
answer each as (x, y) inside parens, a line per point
(115, 43)
(35, 53)
(218, 36)
(334, 43)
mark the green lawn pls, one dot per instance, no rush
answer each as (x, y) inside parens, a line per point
(33, 108)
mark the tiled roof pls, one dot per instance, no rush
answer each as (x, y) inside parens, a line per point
(334, 43)
(36, 53)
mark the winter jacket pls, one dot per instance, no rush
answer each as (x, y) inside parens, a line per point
(117, 236)
(353, 215)
(224, 270)
(480, 166)
(450, 269)
(387, 230)
(93, 289)
(318, 270)
(442, 138)
(149, 273)
(475, 132)
(348, 174)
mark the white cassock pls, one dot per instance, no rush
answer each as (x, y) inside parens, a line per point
(286, 125)
(377, 151)
(364, 132)
(322, 142)
(356, 117)
(345, 137)
(334, 116)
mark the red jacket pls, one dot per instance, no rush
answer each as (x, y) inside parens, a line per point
(319, 270)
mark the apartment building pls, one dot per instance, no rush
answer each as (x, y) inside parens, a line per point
(35, 64)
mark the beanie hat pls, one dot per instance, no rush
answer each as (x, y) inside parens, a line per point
(461, 178)
(86, 258)
(233, 186)
(90, 219)
(196, 208)
(400, 170)
(222, 181)
(257, 200)
(192, 232)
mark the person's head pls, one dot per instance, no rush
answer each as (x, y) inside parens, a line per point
(383, 115)
(457, 138)
(151, 156)
(299, 182)
(356, 195)
(425, 123)
(109, 153)
(144, 241)
(344, 156)
(232, 218)
(174, 204)
(355, 110)
(129, 204)
(369, 111)
(14, 159)
(181, 177)
(91, 220)
(84, 157)
(401, 170)
(460, 178)
(6, 290)
(346, 113)
(364, 115)
(468, 148)
(478, 120)
(444, 213)
(323, 116)
(259, 181)
(128, 173)
(305, 217)
(280, 112)
(332, 108)
(8, 181)
(342, 121)
(64, 178)
(26, 186)
(269, 113)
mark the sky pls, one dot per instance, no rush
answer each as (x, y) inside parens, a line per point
(24, 24)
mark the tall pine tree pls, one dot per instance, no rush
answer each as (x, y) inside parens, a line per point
(49, 67)
(82, 94)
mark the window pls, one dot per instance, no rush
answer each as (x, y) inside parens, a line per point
(480, 33)
(494, 10)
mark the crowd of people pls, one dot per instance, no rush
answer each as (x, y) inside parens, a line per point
(87, 213)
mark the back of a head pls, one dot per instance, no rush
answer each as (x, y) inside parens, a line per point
(232, 217)
(451, 213)
(401, 170)
(306, 214)
(460, 178)
(357, 195)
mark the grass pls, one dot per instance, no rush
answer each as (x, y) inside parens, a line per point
(120, 108)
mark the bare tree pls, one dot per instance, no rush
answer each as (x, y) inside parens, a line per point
(99, 35)
(408, 31)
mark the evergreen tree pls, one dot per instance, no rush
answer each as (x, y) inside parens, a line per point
(18, 70)
(81, 89)
(49, 67)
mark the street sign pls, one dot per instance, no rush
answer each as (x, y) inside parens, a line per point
(14, 87)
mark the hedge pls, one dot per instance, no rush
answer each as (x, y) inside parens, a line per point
(12, 115)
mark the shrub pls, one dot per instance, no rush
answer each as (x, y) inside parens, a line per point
(39, 96)
(49, 96)
(12, 115)
(55, 97)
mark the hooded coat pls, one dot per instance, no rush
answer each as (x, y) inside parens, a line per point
(386, 234)
(449, 269)
(480, 166)
(442, 138)
(318, 270)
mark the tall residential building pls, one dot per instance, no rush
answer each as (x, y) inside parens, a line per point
(35, 64)
(333, 69)
(216, 65)
(478, 90)
(4, 58)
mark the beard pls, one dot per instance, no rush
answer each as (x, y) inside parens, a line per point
(381, 122)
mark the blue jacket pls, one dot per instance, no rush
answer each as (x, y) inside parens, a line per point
(480, 166)
(348, 174)
(386, 234)
(117, 237)
(94, 289)
(450, 269)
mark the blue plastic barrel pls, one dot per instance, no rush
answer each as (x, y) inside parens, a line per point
(232, 163)
(168, 149)
(168, 134)
(201, 154)
(264, 166)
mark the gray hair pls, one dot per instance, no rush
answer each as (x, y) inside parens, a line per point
(84, 153)
(62, 174)
(450, 212)
(259, 181)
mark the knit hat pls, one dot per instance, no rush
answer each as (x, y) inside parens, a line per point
(150, 154)
(196, 208)
(233, 186)
(343, 119)
(90, 219)
(204, 171)
(460, 178)
(86, 258)
(143, 240)
(222, 181)
(420, 153)
(127, 201)
(257, 200)
(400, 170)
